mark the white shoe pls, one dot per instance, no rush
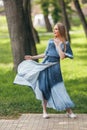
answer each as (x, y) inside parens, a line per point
(71, 115)
(45, 115)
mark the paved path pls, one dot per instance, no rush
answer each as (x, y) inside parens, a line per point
(36, 122)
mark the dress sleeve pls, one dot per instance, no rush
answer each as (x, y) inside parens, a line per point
(68, 52)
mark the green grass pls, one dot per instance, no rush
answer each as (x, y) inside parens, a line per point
(16, 99)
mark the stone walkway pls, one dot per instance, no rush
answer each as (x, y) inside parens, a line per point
(36, 122)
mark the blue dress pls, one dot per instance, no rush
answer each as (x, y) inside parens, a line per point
(46, 78)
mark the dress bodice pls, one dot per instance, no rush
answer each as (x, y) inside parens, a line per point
(52, 51)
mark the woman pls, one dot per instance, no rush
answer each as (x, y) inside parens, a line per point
(45, 78)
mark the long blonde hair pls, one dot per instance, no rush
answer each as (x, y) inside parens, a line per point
(62, 31)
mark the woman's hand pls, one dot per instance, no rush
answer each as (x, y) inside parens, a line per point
(28, 57)
(58, 43)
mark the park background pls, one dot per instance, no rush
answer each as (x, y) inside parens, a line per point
(16, 99)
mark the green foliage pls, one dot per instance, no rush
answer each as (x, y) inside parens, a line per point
(51, 7)
(69, 9)
(55, 11)
(45, 7)
(16, 99)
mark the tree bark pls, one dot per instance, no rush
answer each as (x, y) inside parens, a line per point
(81, 15)
(65, 17)
(30, 47)
(36, 36)
(20, 31)
(14, 10)
(27, 8)
(47, 23)
(35, 33)
(45, 6)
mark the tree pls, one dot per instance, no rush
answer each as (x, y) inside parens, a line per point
(65, 17)
(45, 10)
(81, 15)
(45, 7)
(55, 11)
(19, 30)
(27, 10)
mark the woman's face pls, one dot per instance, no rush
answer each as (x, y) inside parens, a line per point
(56, 31)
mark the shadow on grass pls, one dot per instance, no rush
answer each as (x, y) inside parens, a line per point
(80, 35)
(83, 45)
(83, 58)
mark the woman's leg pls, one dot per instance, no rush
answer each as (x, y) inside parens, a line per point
(70, 113)
(44, 104)
(69, 110)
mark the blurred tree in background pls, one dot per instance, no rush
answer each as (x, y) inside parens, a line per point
(45, 8)
(81, 15)
(65, 17)
(55, 11)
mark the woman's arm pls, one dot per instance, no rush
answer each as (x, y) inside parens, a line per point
(61, 53)
(29, 57)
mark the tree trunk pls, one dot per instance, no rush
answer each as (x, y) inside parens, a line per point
(36, 37)
(34, 31)
(22, 40)
(45, 6)
(14, 11)
(65, 17)
(81, 15)
(30, 47)
(47, 23)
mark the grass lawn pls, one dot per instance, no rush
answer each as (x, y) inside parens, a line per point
(16, 99)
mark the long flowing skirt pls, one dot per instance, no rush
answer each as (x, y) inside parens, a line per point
(40, 77)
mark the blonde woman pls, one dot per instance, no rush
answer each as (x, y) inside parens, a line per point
(46, 78)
